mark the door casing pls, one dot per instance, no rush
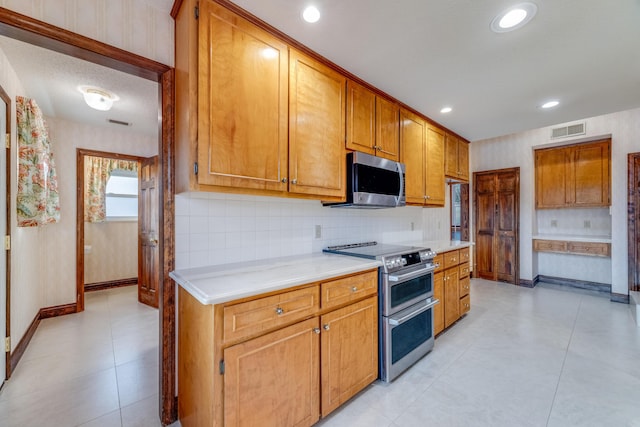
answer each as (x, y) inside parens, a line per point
(633, 221)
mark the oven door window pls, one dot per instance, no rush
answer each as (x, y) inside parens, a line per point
(418, 288)
(409, 335)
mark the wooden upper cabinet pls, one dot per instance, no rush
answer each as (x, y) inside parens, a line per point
(456, 158)
(361, 118)
(574, 176)
(422, 152)
(434, 165)
(387, 132)
(372, 123)
(317, 103)
(242, 103)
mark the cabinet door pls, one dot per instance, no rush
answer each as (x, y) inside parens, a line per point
(387, 129)
(412, 134)
(273, 380)
(463, 160)
(434, 161)
(317, 103)
(451, 156)
(361, 118)
(438, 309)
(242, 103)
(349, 352)
(451, 297)
(551, 184)
(590, 175)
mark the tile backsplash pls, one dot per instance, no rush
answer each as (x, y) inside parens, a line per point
(215, 228)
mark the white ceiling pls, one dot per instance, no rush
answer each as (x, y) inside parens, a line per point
(433, 53)
(426, 53)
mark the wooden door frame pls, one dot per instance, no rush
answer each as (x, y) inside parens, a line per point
(516, 257)
(632, 211)
(29, 30)
(81, 153)
(7, 100)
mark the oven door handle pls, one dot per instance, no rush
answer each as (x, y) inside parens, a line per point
(412, 275)
(400, 321)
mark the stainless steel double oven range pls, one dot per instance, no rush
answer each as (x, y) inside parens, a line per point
(405, 302)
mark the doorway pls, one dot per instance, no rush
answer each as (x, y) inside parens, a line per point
(27, 29)
(5, 215)
(633, 201)
(459, 211)
(120, 223)
(497, 213)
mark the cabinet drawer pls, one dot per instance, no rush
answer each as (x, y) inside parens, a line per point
(589, 248)
(252, 317)
(465, 285)
(337, 292)
(451, 258)
(464, 255)
(465, 304)
(463, 270)
(439, 262)
(549, 246)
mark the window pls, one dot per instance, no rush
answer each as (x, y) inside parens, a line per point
(122, 195)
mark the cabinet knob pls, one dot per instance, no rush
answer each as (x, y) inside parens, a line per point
(326, 327)
(279, 311)
(294, 181)
(354, 289)
(284, 180)
(316, 330)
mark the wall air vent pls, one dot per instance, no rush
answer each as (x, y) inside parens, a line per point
(119, 122)
(567, 131)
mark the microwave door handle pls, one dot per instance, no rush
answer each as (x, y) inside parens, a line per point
(400, 321)
(412, 275)
(399, 168)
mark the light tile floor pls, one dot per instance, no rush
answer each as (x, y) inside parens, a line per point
(96, 368)
(521, 357)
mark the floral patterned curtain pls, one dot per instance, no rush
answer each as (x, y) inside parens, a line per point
(37, 199)
(97, 173)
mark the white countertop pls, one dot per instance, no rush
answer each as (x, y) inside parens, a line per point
(574, 238)
(221, 283)
(440, 245)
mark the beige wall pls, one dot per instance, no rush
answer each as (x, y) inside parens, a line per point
(517, 150)
(114, 251)
(136, 26)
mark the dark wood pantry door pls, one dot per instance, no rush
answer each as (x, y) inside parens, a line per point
(633, 162)
(148, 256)
(497, 205)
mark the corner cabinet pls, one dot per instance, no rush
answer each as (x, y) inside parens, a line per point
(317, 102)
(285, 358)
(235, 132)
(423, 155)
(456, 158)
(574, 176)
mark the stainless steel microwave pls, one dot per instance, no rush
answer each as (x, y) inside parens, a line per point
(373, 183)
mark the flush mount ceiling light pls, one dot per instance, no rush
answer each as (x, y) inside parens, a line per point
(514, 17)
(311, 14)
(549, 104)
(446, 110)
(97, 98)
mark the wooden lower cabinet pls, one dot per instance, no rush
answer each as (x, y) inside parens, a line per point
(438, 309)
(273, 380)
(451, 285)
(451, 297)
(283, 374)
(349, 352)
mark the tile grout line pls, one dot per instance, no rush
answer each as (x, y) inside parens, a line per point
(113, 352)
(566, 354)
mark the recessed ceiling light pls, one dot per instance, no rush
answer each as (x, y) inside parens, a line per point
(550, 104)
(446, 110)
(514, 17)
(311, 14)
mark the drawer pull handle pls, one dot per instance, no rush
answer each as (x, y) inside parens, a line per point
(326, 327)
(354, 289)
(279, 311)
(317, 331)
